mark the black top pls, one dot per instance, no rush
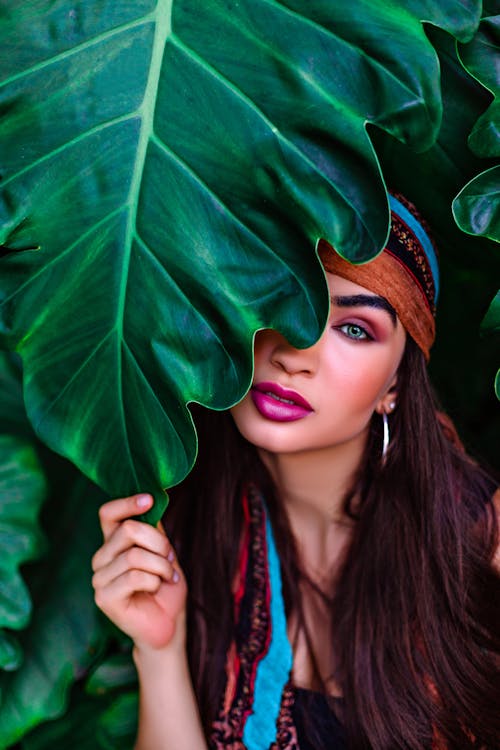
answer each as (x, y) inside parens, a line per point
(318, 728)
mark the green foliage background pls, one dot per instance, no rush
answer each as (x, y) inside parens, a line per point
(176, 181)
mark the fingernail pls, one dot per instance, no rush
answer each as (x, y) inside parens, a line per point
(143, 501)
(175, 577)
(170, 556)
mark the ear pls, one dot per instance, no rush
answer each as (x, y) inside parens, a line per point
(389, 400)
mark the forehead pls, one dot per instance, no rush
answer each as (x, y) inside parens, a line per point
(339, 286)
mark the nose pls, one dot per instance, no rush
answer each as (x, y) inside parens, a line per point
(286, 357)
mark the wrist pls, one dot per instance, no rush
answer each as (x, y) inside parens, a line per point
(175, 651)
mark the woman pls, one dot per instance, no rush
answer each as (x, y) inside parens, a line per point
(332, 585)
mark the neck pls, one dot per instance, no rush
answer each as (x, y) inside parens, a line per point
(316, 481)
(313, 486)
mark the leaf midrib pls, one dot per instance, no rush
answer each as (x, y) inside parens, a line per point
(163, 29)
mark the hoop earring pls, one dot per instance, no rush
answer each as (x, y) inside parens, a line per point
(386, 439)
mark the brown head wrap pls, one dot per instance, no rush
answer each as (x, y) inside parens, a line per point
(405, 273)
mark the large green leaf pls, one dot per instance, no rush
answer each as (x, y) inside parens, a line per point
(477, 206)
(117, 726)
(480, 58)
(463, 364)
(60, 643)
(77, 729)
(23, 488)
(175, 163)
(115, 672)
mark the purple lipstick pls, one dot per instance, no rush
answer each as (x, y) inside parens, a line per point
(279, 404)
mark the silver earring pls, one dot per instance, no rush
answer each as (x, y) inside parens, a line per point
(386, 439)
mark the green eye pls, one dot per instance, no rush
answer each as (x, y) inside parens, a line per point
(354, 332)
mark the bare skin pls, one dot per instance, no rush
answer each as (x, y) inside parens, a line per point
(140, 586)
(349, 374)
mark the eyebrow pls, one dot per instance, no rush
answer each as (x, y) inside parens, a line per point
(366, 300)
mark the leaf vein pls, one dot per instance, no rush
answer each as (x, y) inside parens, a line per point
(68, 53)
(74, 376)
(189, 301)
(239, 223)
(67, 144)
(56, 258)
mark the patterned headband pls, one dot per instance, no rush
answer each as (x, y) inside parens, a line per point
(406, 273)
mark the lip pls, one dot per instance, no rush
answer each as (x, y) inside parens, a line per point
(279, 404)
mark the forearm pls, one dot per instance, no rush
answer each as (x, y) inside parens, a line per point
(168, 712)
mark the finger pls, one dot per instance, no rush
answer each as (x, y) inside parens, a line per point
(129, 534)
(116, 511)
(111, 598)
(134, 558)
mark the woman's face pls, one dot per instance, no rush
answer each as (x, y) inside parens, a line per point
(325, 396)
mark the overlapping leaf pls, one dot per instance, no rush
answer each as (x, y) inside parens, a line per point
(175, 163)
(481, 58)
(477, 206)
(23, 488)
(65, 626)
(491, 325)
(462, 363)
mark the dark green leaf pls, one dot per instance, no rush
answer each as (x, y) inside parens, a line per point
(477, 206)
(76, 730)
(481, 58)
(23, 488)
(175, 162)
(118, 724)
(11, 655)
(117, 671)
(59, 643)
(491, 324)
(462, 362)
(491, 321)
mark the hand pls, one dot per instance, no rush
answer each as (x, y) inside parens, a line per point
(137, 580)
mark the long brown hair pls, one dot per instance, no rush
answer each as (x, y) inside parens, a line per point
(415, 615)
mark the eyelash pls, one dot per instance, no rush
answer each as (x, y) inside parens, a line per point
(365, 337)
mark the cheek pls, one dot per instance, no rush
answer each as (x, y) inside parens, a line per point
(359, 387)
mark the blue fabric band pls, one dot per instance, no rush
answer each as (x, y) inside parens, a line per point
(422, 237)
(273, 671)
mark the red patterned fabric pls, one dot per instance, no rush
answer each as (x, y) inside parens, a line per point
(252, 636)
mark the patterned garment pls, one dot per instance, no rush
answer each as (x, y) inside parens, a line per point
(303, 719)
(251, 645)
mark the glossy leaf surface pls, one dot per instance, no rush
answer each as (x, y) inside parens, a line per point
(491, 322)
(118, 725)
(477, 207)
(58, 642)
(23, 488)
(116, 672)
(481, 57)
(175, 181)
(463, 364)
